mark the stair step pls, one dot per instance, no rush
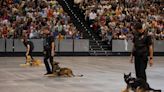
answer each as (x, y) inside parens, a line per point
(94, 46)
(100, 53)
(76, 15)
(105, 46)
(96, 49)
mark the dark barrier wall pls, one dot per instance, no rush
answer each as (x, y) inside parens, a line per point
(2, 45)
(66, 45)
(9, 45)
(38, 45)
(126, 46)
(69, 45)
(81, 45)
(159, 46)
(19, 46)
(57, 45)
(121, 45)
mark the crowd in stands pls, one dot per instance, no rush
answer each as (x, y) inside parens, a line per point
(110, 19)
(114, 19)
(29, 17)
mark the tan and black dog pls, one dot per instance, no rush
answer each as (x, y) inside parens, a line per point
(137, 85)
(30, 62)
(63, 72)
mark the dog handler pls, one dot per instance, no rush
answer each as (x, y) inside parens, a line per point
(29, 48)
(49, 48)
(142, 47)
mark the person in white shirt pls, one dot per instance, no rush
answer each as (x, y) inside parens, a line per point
(92, 17)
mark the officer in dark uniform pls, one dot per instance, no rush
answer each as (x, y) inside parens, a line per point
(49, 48)
(142, 47)
(29, 48)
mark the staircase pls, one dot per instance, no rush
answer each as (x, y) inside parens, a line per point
(77, 17)
(66, 4)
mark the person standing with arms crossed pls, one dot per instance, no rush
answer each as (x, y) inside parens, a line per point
(49, 50)
(142, 48)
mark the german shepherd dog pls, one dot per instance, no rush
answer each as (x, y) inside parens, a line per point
(137, 85)
(36, 62)
(63, 72)
(30, 62)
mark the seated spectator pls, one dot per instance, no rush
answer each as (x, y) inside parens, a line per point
(122, 36)
(20, 15)
(60, 37)
(29, 17)
(4, 32)
(113, 13)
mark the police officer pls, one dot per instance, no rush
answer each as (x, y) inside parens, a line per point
(49, 48)
(29, 48)
(142, 47)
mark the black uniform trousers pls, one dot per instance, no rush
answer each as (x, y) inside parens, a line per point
(30, 54)
(140, 66)
(48, 64)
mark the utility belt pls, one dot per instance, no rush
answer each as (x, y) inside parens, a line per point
(140, 51)
(47, 53)
(47, 50)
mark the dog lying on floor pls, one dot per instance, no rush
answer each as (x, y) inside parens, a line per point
(137, 85)
(30, 62)
(63, 72)
(36, 62)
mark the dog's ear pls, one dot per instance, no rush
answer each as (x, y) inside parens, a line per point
(130, 74)
(56, 63)
(124, 75)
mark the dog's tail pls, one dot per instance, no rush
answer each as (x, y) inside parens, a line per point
(78, 75)
(155, 90)
(152, 89)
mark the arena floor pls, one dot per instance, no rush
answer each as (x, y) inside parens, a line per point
(101, 74)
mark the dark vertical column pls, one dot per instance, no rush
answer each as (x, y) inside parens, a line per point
(13, 45)
(5, 45)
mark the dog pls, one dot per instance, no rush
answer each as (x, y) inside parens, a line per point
(36, 62)
(137, 84)
(28, 59)
(63, 72)
(30, 62)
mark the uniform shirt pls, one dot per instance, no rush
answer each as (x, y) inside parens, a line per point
(141, 44)
(47, 43)
(30, 44)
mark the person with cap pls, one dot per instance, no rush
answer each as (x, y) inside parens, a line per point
(142, 48)
(49, 50)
